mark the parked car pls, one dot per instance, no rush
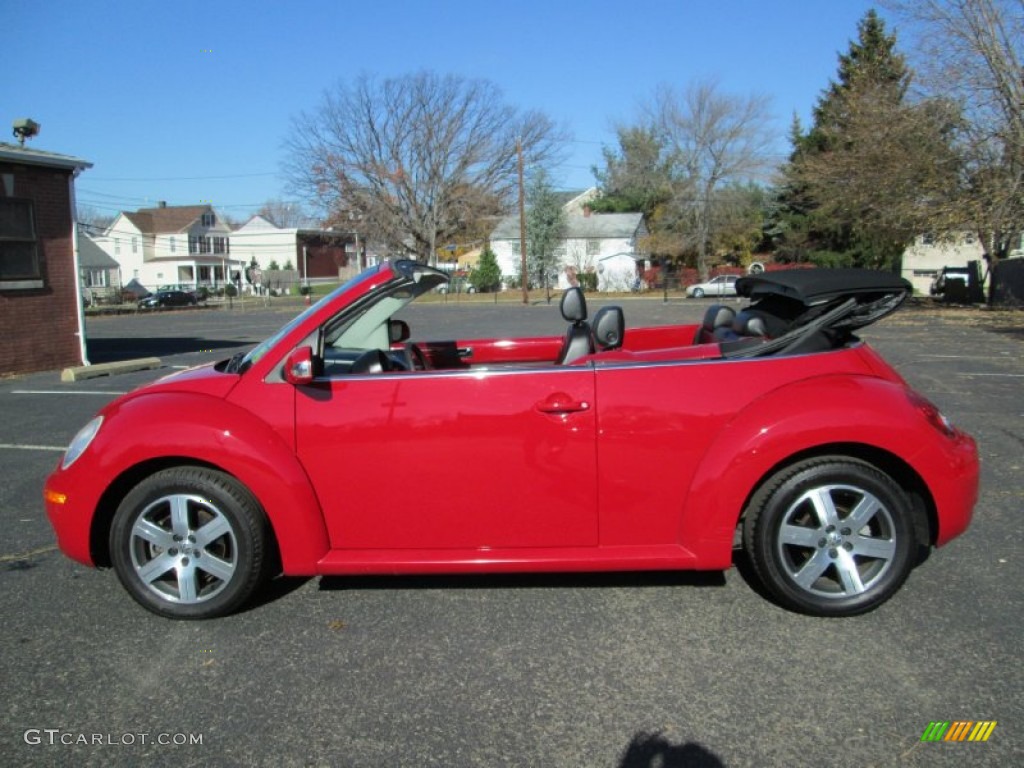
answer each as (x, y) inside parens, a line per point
(168, 299)
(946, 276)
(610, 448)
(723, 285)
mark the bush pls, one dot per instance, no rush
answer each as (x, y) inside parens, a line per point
(230, 291)
(588, 281)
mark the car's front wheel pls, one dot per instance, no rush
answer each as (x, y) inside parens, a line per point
(831, 536)
(698, 293)
(190, 543)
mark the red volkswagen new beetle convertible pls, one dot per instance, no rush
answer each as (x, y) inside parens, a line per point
(601, 447)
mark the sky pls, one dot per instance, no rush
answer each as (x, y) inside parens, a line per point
(191, 102)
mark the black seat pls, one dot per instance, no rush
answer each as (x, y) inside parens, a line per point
(609, 328)
(578, 342)
(717, 324)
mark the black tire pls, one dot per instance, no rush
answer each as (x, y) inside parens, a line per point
(831, 536)
(190, 543)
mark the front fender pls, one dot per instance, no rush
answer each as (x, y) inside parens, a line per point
(794, 419)
(213, 431)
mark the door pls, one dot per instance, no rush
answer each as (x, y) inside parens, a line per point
(441, 460)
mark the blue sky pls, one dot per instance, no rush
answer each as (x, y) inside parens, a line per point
(191, 101)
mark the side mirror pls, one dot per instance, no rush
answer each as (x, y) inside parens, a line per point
(298, 368)
(398, 330)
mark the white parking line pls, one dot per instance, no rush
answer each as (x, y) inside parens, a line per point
(1004, 375)
(16, 447)
(66, 392)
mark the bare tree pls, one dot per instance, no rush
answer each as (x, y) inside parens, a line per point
(286, 214)
(417, 158)
(713, 139)
(93, 219)
(972, 51)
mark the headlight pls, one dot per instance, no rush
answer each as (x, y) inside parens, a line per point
(81, 441)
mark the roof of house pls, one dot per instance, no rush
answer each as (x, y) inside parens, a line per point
(596, 225)
(91, 256)
(170, 218)
(16, 153)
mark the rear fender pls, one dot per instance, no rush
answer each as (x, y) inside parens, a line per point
(787, 422)
(198, 428)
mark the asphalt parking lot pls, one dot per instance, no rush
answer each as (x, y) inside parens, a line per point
(627, 671)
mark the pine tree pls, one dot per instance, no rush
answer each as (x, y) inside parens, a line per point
(859, 179)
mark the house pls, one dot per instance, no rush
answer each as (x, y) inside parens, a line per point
(42, 325)
(172, 245)
(320, 254)
(928, 254)
(99, 274)
(590, 239)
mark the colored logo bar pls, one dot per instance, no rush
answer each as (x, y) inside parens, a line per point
(958, 730)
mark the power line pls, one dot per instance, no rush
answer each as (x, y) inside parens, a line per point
(183, 178)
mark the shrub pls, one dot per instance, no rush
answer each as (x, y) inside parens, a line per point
(588, 281)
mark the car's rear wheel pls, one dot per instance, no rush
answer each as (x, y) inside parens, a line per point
(831, 536)
(190, 543)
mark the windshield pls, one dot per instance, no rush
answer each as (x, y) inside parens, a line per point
(258, 351)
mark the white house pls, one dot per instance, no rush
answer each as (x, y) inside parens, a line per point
(186, 245)
(928, 254)
(591, 239)
(320, 254)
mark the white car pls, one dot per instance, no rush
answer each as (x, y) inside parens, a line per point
(723, 285)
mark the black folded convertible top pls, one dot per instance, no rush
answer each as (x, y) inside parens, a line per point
(817, 286)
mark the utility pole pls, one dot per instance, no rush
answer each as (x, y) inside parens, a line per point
(522, 224)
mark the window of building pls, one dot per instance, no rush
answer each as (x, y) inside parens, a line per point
(117, 246)
(514, 245)
(135, 245)
(19, 252)
(97, 278)
(593, 247)
(969, 238)
(173, 244)
(209, 220)
(221, 245)
(928, 239)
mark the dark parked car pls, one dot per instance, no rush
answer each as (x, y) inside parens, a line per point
(168, 299)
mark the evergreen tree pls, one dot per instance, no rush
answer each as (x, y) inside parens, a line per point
(545, 230)
(487, 275)
(864, 176)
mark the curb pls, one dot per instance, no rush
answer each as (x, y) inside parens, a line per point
(108, 369)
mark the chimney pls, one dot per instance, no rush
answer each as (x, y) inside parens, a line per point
(162, 204)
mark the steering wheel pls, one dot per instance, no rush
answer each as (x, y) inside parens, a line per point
(415, 360)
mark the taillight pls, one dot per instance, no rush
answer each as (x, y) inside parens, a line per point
(932, 414)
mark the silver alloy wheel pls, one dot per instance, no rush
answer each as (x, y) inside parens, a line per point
(836, 541)
(183, 548)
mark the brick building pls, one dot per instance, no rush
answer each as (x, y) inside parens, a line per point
(41, 320)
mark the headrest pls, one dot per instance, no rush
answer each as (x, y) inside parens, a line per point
(718, 316)
(609, 328)
(574, 306)
(748, 323)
